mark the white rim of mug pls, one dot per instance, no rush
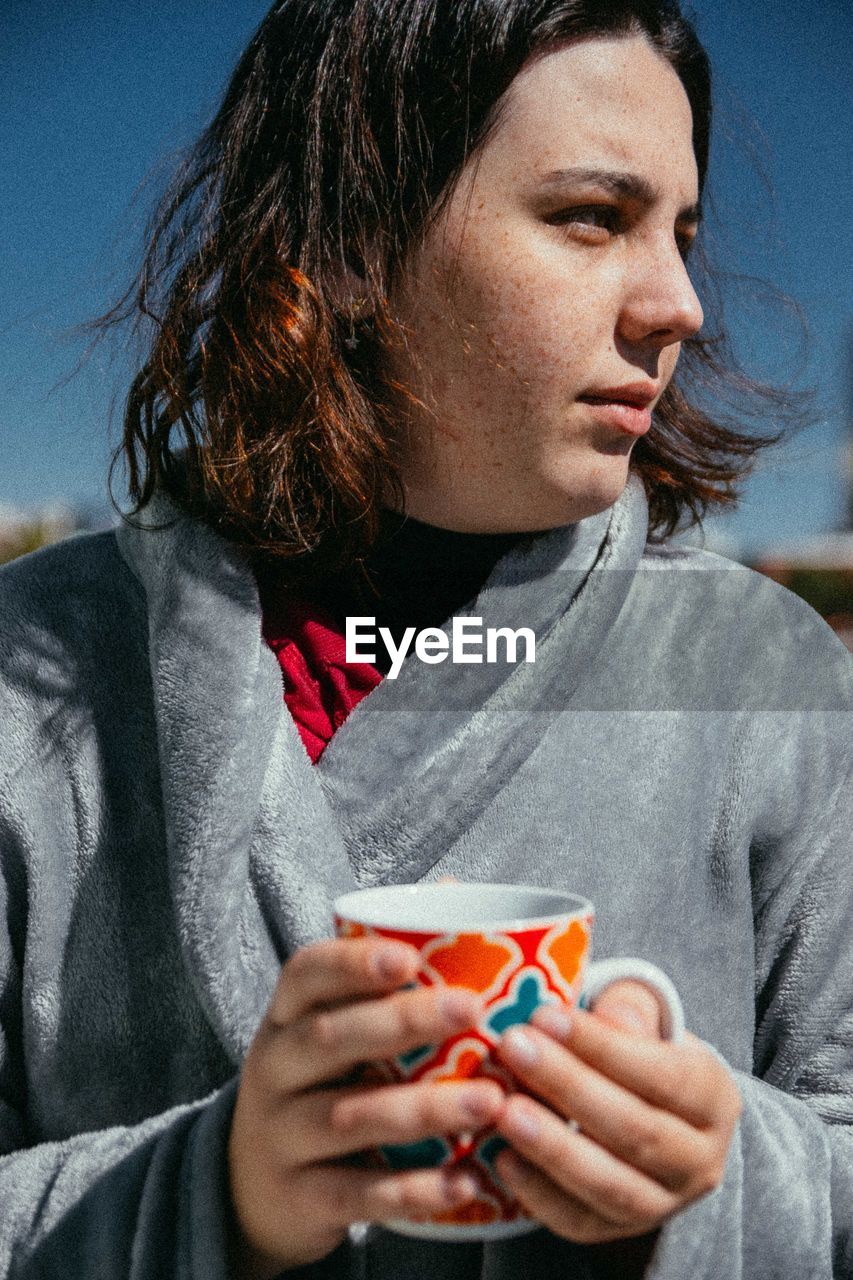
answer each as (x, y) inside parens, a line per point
(575, 907)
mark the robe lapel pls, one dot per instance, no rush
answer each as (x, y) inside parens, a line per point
(255, 857)
(421, 756)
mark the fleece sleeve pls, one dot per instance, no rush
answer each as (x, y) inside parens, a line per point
(785, 1208)
(143, 1202)
(136, 1203)
(139, 1202)
(147, 1201)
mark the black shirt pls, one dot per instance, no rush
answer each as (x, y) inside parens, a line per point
(419, 576)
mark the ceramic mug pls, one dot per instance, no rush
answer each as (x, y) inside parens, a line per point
(516, 946)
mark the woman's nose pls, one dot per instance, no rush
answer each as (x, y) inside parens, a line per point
(661, 306)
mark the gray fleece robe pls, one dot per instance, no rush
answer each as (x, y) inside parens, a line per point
(680, 753)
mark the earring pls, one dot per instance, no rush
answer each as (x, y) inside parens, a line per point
(359, 311)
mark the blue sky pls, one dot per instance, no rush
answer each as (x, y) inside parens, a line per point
(95, 95)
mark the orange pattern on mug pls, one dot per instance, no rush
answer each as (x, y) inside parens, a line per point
(568, 949)
(470, 961)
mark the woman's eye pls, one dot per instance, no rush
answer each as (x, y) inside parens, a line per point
(600, 217)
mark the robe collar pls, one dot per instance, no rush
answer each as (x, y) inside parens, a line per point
(260, 841)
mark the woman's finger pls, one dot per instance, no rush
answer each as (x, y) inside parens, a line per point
(330, 1123)
(662, 1145)
(581, 1168)
(631, 1006)
(560, 1211)
(335, 970)
(325, 1044)
(376, 1195)
(685, 1079)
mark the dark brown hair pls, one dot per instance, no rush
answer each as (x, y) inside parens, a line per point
(261, 404)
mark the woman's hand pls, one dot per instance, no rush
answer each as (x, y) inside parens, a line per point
(653, 1120)
(294, 1186)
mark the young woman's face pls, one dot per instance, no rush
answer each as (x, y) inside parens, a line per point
(554, 276)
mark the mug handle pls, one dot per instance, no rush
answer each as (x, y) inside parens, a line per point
(600, 974)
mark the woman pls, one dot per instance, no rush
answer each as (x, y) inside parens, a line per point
(428, 261)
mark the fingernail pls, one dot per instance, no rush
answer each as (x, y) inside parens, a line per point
(556, 1022)
(391, 962)
(627, 1016)
(519, 1046)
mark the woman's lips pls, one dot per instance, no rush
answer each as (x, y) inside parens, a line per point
(631, 419)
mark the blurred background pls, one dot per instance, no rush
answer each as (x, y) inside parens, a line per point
(96, 97)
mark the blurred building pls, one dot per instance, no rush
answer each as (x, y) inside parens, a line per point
(821, 571)
(26, 530)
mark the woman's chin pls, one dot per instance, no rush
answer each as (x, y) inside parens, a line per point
(552, 496)
(603, 485)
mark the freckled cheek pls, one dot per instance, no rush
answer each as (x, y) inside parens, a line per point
(518, 318)
(540, 336)
(529, 310)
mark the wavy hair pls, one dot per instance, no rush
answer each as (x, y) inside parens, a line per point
(262, 405)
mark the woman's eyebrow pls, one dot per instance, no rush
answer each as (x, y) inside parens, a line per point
(629, 185)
